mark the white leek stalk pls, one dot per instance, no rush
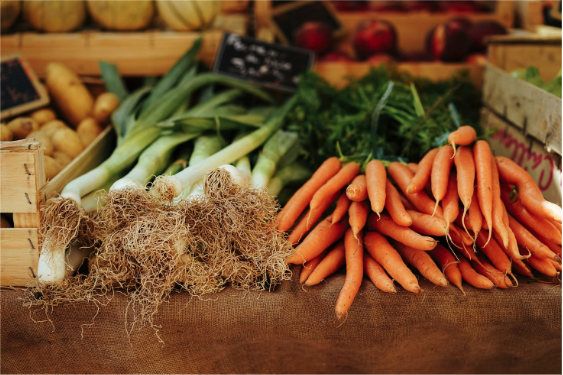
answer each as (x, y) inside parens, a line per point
(204, 147)
(243, 164)
(295, 172)
(276, 147)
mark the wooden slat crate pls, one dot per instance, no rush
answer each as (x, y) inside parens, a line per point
(24, 189)
(150, 52)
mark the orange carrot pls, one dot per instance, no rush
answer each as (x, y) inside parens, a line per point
(464, 136)
(309, 267)
(406, 203)
(521, 268)
(498, 209)
(377, 275)
(494, 252)
(483, 156)
(557, 266)
(475, 215)
(354, 272)
(318, 240)
(413, 167)
(427, 224)
(395, 207)
(536, 225)
(422, 174)
(423, 263)
(341, 208)
(450, 202)
(530, 242)
(449, 265)
(465, 177)
(404, 235)
(402, 176)
(512, 242)
(376, 178)
(301, 199)
(551, 245)
(308, 221)
(460, 235)
(337, 182)
(528, 191)
(486, 269)
(542, 265)
(358, 213)
(441, 168)
(329, 265)
(389, 258)
(473, 278)
(357, 191)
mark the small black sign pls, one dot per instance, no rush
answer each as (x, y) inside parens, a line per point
(266, 64)
(20, 90)
(288, 18)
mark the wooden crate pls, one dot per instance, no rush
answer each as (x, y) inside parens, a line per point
(150, 52)
(411, 27)
(23, 189)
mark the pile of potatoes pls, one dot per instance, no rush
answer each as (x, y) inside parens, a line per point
(62, 141)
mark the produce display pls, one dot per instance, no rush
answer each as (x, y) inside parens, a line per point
(532, 75)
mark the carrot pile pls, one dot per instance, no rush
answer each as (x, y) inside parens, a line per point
(393, 219)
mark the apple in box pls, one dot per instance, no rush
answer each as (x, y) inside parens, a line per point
(449, 42)
(314, 36)
(373, 37)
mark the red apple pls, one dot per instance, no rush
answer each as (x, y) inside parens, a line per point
(337, 56)
(480, 31)
(374, 36)
(314, 36)
(449, 42)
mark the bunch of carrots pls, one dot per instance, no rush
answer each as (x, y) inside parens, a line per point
(396, 216)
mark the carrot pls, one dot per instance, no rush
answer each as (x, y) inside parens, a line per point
(482, 157)
(384, 254)
(406, 203)
(308, 221)
(528, 191)
(459, 238)
(464, 136)
(423, 263)
(426, 224)
(404, 235)
(357, 191)
(536, 225)
(498, 209)
(342, 205)
(318, 240)
(512, 242)
(551, 245)
(473, 278)
(376, 178)
(449, 265)
(354, 272)
(402, 176)
(450, 202)
(521, 268)
(460, 235)
(358, 213)
(542, 265)
(529, 241)
(329, 265)
(413, 167)
(557, 266)
(301, 199)
(465, 177)
(309, 267)
(377, 275)
(441, 168)
(395, 206)
(494, 252)
(422, 174)
(337, 182)
(475, 215)
(488, 270)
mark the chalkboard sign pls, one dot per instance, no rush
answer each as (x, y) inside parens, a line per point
(287, 19)
(263, 63)
(20, 89)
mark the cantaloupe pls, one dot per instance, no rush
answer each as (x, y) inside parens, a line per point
(9, 11)
(121, 15)
(54, 16)
(188, 15)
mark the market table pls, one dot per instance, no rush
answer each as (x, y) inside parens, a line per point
(292, 330)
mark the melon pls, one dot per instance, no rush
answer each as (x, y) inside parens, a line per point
(9, 11)
(54, 16)
(188, 15)
(121, 15)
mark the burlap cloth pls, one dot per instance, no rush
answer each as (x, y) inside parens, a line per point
(293, 331)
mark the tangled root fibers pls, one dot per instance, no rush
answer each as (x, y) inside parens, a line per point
(147, 247)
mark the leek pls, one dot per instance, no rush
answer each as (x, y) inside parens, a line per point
(243, 164)
(112, 80)
(295, 172)
(276, 147)
(181, 162)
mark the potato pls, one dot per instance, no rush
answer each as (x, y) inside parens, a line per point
(89, 126)
(104, 106)
(51, 127)
(87, 138)
(5, 133)
(22, 126)
(4, 222)
(62, 158)
(71, 96)
(43, 116)
(52, 168)
(67, 141)
(45, 141)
